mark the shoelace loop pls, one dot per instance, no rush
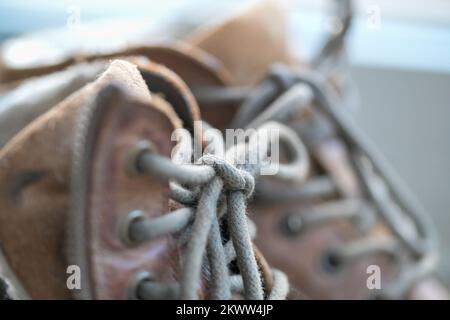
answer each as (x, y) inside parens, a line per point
(216, 187)
(234, 179)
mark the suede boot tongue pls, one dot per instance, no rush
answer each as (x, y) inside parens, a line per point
(249, 42)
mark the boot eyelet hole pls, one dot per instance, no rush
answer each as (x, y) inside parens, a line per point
(132, 162)
(291, 224)
(133, 288)
(124, 226)
(331, 262)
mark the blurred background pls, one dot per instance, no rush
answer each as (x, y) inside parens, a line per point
(399, 54)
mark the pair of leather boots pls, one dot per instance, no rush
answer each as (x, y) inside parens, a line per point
(98, 175)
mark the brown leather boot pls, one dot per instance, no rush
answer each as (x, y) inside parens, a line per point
(95, 194)
(348, 220)
(338, 213)
(329, 219)
(35, 177)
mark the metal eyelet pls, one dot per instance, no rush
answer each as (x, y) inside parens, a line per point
(331, 261)
(141, 147)
(292, 224)
(124, 226)
(133, 287)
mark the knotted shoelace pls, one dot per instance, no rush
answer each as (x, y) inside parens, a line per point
(285, 95)
(214, 225)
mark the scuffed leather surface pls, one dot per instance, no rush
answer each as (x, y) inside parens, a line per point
(111, 193)
(34, 180)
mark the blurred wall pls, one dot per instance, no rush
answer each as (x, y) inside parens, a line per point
(407, 115)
